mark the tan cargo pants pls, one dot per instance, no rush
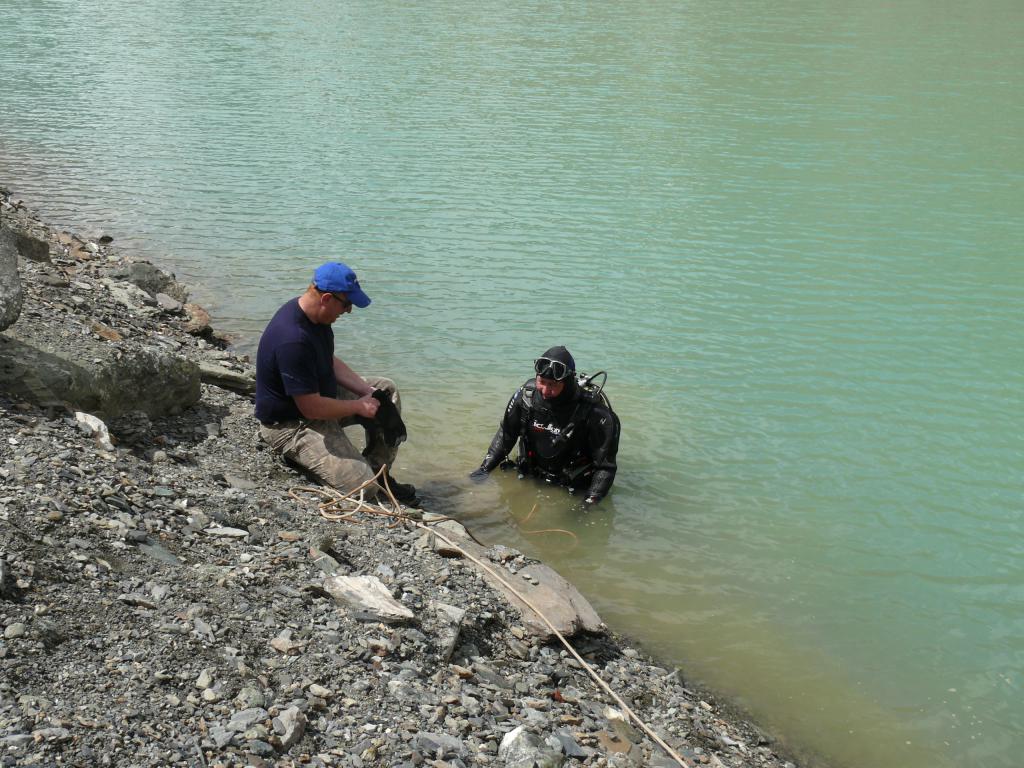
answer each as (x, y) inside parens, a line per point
(324, 450)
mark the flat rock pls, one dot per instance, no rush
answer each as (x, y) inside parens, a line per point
(167, 303)
(225, 378)
(563, 605)
(367, 598)
(246, 718)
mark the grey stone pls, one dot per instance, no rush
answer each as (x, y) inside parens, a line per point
(51, 734)
(242, 483)
(11, 631)
(219, 376)
(199, 519)
(569, 746)
(32, 248)
(367, 597)
(246, 718)
(250, 698)
(257, 731)
(161, 553)
(202, 629)
(522, 749)
(321, 692)
(324, 562)
(159, 591)
(451, 623)
(290, 725)
(133, 598)
(54, 280)
(431, 743)
(16, 740)
(128, 295)
(567, 610)
(167, 303)
(151, 279)
(260, 748)
(11, 295)
(205, 679)
(221, 736)
(98, 377)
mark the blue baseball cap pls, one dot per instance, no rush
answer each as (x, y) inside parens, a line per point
(335, 277)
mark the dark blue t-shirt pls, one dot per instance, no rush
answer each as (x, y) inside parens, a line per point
(295, 357)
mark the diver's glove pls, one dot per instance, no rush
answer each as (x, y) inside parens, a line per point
(478, 475)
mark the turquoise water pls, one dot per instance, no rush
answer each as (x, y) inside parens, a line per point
(789, 231)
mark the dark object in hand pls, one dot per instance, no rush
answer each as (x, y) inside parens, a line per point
(478, 475)
(388, 420)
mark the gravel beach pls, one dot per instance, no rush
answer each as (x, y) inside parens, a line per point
(170, 593)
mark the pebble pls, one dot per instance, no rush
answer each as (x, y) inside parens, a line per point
(205, 679)
(320, 691)
(11, 631)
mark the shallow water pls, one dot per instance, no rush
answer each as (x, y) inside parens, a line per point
(790, 232)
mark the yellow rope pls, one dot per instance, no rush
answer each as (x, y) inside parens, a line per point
(397, 513)
(525, 520)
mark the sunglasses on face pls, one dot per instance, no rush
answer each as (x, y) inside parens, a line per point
(345, 303)
(547, 368)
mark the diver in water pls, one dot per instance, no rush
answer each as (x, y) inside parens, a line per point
(565, 426)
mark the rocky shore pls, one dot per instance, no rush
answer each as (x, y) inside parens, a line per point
(167, 598)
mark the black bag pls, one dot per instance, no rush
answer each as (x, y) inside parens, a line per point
(388, 421)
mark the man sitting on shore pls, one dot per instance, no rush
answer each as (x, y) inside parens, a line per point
(306, 396)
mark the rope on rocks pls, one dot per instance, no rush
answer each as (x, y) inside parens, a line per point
(396, 512)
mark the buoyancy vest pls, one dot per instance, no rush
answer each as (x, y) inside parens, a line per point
(574, 467)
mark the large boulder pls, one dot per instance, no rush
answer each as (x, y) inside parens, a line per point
(31, 247)
(105, 378)
(539, 589)
(10, 284)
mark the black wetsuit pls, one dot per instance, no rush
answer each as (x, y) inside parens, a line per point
(585, 460)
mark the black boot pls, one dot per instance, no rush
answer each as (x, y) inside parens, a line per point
(405, 493)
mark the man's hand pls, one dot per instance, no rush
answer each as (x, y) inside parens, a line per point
(367, 405)
(478, 475)
(590, 502)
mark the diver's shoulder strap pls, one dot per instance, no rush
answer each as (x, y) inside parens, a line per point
(529, 389)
